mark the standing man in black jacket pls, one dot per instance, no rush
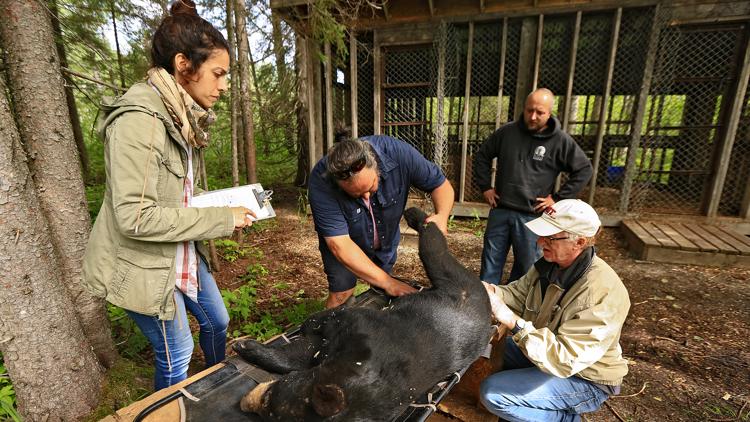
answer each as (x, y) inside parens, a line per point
(531, 153)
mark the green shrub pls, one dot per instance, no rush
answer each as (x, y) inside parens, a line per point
(7, 396)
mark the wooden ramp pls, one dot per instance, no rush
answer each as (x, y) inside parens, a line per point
(686, 243)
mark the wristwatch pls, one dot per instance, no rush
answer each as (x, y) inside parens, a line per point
(520, 325)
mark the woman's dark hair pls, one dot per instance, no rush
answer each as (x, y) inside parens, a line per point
(183, 31)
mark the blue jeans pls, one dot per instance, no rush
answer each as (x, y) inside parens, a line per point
(171, 360)
(505, 228)
(522, 392)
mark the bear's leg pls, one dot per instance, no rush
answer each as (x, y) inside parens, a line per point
(282, 359)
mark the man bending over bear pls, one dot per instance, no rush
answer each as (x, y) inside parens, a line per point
(363, 364)
(357, 195)
(566, 315)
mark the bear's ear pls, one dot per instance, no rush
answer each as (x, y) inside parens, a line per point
(328, 399)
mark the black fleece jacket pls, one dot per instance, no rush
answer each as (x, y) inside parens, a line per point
(528, 164)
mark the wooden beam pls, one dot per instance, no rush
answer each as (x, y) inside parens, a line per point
(745, 206)
(312, 155)
(432, 7)
(525, 68)
(538, 51)
(730, 133)
(605, 99)
(354, 86)
(376, 70)
(467, 93)
(329, 94)
(386, 12)
(571, 72)
(641, 101)
(500, 84)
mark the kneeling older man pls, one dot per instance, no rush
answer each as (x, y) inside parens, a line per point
(565, 316)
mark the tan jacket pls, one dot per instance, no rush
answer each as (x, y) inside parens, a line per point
(583, 335)
(145, 165)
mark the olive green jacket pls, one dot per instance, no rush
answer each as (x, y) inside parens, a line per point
(582, 336)
(130, 257)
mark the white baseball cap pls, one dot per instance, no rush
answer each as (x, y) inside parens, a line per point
(568, 215)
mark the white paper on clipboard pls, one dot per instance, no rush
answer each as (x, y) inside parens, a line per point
(252, 197)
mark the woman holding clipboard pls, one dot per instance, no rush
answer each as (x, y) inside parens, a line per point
(145, 253)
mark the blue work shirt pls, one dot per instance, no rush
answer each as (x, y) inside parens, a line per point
(335, 213)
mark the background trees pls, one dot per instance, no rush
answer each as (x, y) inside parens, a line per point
(59, 59)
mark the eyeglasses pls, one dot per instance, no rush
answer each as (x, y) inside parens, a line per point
(353, 169)
(552, 239)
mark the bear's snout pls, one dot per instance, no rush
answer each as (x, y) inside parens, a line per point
(252, 402)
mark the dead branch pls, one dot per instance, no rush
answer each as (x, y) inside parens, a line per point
(614, 411)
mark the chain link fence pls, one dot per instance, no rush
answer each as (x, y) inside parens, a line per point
(423, 98)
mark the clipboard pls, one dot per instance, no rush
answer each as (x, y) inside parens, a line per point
(253, 197)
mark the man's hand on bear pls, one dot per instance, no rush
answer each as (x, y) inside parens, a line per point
(440, 220)
(500, 311)
(398, 288)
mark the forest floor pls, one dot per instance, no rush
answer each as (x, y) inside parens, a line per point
(686, 337)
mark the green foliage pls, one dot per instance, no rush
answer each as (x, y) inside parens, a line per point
(94, 199)
(232, 251)
(126, 382)
(7, 396)
(130, 342)
(240, 303)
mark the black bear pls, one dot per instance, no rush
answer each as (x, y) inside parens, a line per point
(360, 364)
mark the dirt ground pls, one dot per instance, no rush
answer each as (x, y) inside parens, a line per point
(686, 337)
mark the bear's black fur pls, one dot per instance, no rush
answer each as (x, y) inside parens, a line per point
(358, 364)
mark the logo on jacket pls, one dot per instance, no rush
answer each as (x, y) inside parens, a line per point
(539, 153)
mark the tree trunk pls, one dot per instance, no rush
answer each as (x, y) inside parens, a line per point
(70, 99)
(303, 165)
(36, 86)
(117, 43)
(54, 372)
(243, 52)
(234, 93)
(278, 47)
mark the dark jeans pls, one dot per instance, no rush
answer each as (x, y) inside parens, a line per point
(505, 228)
(522, 392)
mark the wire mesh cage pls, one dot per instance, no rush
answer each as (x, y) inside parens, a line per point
(672, 155)
(694, 71)
(736, 187)
(405, 87)
(365, 69)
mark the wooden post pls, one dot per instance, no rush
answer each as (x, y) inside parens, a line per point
(601, 128)
(641, 101)
(354, 86)
(730, 133)
(440, 130)
(376, 77)
(745, 206)
(525, 69)
(500, 86)
(571, 73)
(467, 93)
(311, 104)
(503, 51)
(538, 51)
(329, 95)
